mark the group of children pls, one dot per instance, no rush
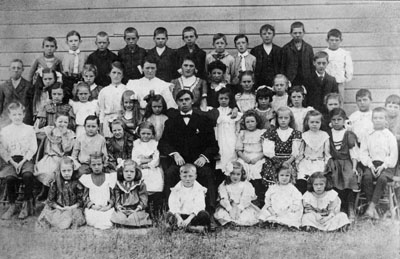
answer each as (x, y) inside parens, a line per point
(288, 153)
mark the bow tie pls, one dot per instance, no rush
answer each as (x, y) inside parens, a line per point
(218, 56)
(186, 115)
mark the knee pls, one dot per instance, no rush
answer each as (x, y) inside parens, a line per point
(27, 176)
(382, 180)
(10, 179)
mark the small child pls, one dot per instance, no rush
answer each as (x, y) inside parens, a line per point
(219, 53)
(82, 106)
(110, 98)
(246, 99)
(41, 90)
(166, 58)
(155, 113)
(63, 208)
(192, 50)
(297, 104)
(250, 152)
(16, 89)
(89, 75)
(98, 196)
(343, 164)
(280, 88)
(102, 58)
(235, 196)
(314, 149)
(243, 61)
(283, 201)
(322, 206)
(119, 146)
(361, 120)
(132, 55)
(331, 101)
(280, 146)
(130, 197)
(378, 153)
(59, 141)
(17, 147)
(57, 103)
(268, 57)
(320, 83)
(89, 143)
(264, 109)
(187, 202)
(297, 56)
(130, 114)
(340, 63)
(392, 106)
(48, 60)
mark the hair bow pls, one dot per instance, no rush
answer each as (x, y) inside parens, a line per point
(264, 86)
(133, 97)
(120, 163)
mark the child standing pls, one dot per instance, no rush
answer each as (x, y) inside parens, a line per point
(297, 56)
(243, 61)
(320, 83)
(64, 205)
(187, 202)
(110, 98)
(283, 201)
(59, 141)
(119, 146)
(235, 196)
(392, 105)
(340, 63)
(280, 87)
(130, 197)
(264, 109)
(322, 206)
(280, 146)
(98, 196)
(82, 106)
(17, 147)
(155, 113)
(314, 149)
(219, 53)
(41, 90)
(343, 164)
(331, 101)
(130, 114)
(102, 58)
(361, 120)
(89, 143)
(379, 154)
(89, 75)
(250, 152)
(246, 99)
(268, 57)
(131, 55)
(165, 57)
(297, 104)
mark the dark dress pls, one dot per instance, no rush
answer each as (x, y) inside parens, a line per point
(115, 151)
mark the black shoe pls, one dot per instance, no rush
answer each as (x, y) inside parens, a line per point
(213, 225)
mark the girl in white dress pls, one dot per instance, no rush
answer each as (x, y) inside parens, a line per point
(98, 195)
(280, 87)
(246, 99)
(235, 196)
(322, 206)
(296, 103)
(283, 201)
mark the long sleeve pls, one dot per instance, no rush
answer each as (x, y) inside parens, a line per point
(239, 146)
(87, 203)
(296, 144)
(33, 69)
(155, 161)
(334, 206)
(247, 196)
(224, 197)
(79, 195)
(68, 142)
(364, 154)
(76, 149)
(52, 196)
(348, 62)
(169, 99)
(268, 148)
(104, 151)
(101, 105)
(327, 153)
(174, 203)
(268, 194)
(391, 160)
(117, 196)
(143, 196)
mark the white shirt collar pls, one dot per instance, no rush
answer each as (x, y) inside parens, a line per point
(74, 52)
(244, 54)
(188, 113)
(319, 75)
(15, 83)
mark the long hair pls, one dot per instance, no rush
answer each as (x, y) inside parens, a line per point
(120, 171)
(309, 114)
(319, 175)
(136, 115)
(292, 122)
(155, 98)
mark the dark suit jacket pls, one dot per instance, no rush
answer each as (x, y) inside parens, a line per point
(260, 69)
(191, 140)
(199, 57)
(167, 65)
(131, 60)
(317, 89)
(23, 94)
(289, 60)
(103, 63)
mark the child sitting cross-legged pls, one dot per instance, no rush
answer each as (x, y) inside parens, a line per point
(187, 203)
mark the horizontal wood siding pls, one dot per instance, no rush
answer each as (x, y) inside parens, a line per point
(371, 30)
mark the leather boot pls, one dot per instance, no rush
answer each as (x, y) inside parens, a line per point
(24, 210)
(8, 214)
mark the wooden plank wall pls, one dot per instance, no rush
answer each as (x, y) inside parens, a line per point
(370, 28)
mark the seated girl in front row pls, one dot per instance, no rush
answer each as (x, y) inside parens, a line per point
(64, 205)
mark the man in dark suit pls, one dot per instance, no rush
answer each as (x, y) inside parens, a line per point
(320, 83)
(189, 138)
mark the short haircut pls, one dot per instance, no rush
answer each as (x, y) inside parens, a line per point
(267, 27)
(120, 170)
(116, 122)
(55, 86)
(102, 34)
(182, 93)
(92, 118)
(50, 39)
(251, 113)
(15, 106)
(240, 36)
(363, 93)
(380, 109)
(187, 168)
(312, 113)
(118, 65)
(336, 96)
(321, 54)
(17, 60)
(188, 29)
(96, 155)
(131, 30)
(217, 65)
(282, 76)
(89, 68)
(338, 112)
(218, 36)
(73, 33)
(334, 33)
(49, 71)
(146, 125)
(264, 93)
(59, 114)
(151, 60)
(295, 25)
(292, 122)
(393, 98)
(319, 175)
(160, 30)
(297, 89)
(188, 57)
(285, 167)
